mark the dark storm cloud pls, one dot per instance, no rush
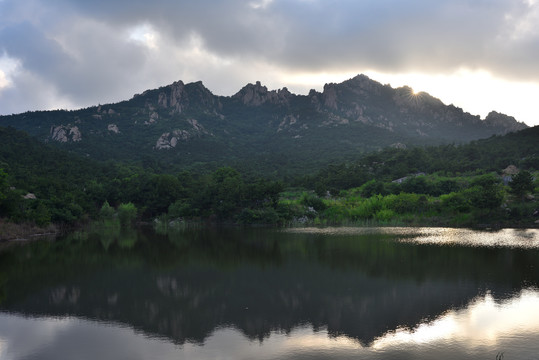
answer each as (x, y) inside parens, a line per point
(319, 35)
(79, 49)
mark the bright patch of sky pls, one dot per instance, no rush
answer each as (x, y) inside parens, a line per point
(7, 67)
(145, 35)
(477, 92)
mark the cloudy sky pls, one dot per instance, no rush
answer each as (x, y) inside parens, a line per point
(480, 55)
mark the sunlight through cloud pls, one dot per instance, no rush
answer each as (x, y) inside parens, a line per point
(145, 35)
(476, 91)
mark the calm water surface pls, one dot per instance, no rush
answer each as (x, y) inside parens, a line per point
(332, 293)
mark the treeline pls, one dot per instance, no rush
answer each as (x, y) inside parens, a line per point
(479, 157)
(42, 184)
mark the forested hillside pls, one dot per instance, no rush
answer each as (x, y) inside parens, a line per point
(447, 184)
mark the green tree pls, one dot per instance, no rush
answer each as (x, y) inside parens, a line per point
(226, 192)
(106, 211)
(40, 214)
(521, 184)
(486, 192)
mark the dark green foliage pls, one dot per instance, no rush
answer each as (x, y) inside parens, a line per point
(456, 202)
(521, 184)
(416, 185)
(406, 203)
(373, 187)
(40, 214)
(440, 181)
(127, 213)
(486, 192)
(259, 216)
(3, 184)
(180, 208)
(312, 201)
(106, 211)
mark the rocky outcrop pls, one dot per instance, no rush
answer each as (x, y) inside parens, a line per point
(504, 122)
(329, 96)
(65, 133)
(510, 170)
(113, 128)
(154, 116)
(256, 95)
(169, 140)
(287, 122)
(173, 99)
(30, 196)
(178, 97)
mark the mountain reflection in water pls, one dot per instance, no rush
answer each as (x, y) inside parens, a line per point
(314, 292)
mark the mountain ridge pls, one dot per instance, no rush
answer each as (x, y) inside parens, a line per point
(184, 123)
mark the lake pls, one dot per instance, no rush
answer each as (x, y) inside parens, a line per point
(257, 293)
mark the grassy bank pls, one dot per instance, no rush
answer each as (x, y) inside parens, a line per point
(475, 207)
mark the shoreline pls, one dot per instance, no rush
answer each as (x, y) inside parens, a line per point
(13, 232)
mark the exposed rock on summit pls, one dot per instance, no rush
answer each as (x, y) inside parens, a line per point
(255, 95)
(178, 97)
(508, 123)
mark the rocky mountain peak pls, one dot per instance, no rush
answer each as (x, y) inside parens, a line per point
(508, 123)
(178, 96)
(358, 114)
(257, 94)
(358, 88)
(361, 83)
(173, 97)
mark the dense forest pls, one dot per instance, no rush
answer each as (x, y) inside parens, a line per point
(460, 185)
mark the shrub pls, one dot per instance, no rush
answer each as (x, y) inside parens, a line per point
(106, 211)
(455, 202)
(179, 209)
(367, 209)
(311, 200)
(127, 214)
(384, 215)
(258, 216)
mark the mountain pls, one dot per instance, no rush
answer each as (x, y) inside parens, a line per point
(187, 125)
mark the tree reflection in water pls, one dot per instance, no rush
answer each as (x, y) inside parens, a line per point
(369, 286)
